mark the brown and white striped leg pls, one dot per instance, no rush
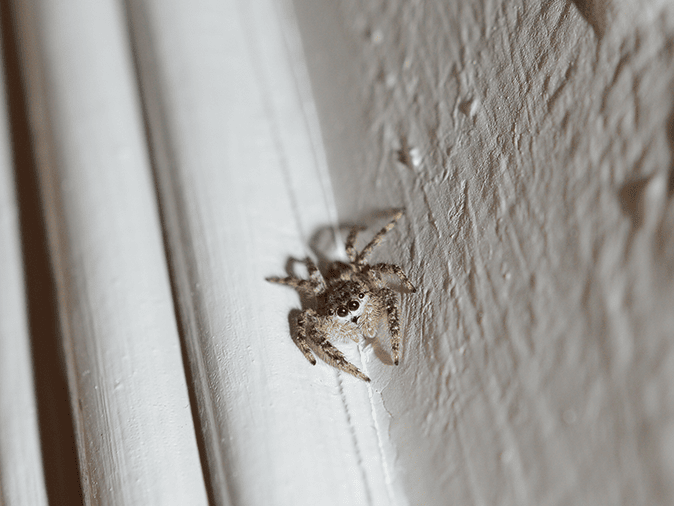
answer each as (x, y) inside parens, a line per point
(302, 326)
(335, 358)
(362, 256)
(315, 275)
(351, 243)
(391, 302)
(302, 285)
(395, 270)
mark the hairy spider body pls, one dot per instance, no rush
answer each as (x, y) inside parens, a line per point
(350, 302)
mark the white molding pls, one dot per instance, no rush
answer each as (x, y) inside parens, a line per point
(134, 431)
(21, 475)
(244, 186)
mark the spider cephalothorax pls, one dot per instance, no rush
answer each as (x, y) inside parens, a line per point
(342, 298)
(350, 302)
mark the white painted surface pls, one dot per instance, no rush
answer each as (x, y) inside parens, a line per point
(21, 477)
(135, 436)
(244, 185)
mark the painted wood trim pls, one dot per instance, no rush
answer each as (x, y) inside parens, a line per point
(243, 185)
(21, 475)
(134, 429)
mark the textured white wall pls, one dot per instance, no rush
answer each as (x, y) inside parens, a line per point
(537, 175)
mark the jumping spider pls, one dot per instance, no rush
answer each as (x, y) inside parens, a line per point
(350, 302)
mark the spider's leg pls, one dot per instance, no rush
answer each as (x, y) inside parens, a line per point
(315, 276)
(336, 358)
(302, 285)
(362, 256)
(302, 325)
(395, 270)
(351, 243)
(391, 302)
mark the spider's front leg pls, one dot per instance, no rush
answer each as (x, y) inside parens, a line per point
(303, 322)
(396, 271)
(391, 304)
(332, 355)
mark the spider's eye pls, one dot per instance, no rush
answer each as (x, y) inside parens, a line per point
(330, 312)
(341, 311)
(353, 305)
(361, 295)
